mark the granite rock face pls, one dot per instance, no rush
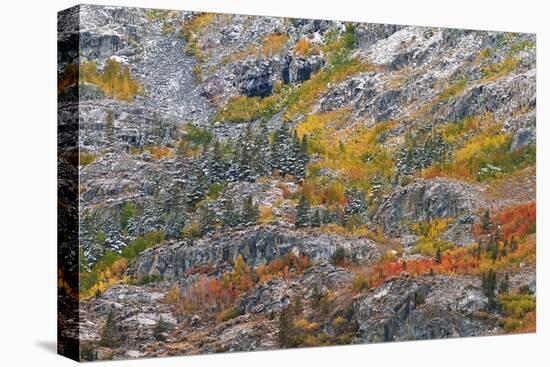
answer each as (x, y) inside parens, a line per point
(424, 201)
(421, 308)
(258, 245)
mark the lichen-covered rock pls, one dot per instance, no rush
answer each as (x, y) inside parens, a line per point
(254, 79)
(297, 70)
(136, 311)
(258, 245)
(421, 308)
(368, 35)
(271, 296)
(502, 97)
(424, 200)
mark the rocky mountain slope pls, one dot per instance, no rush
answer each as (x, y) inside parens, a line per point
(252, 183)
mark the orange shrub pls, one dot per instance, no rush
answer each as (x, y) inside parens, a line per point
(281, 267)
(273, 44)
(266, 214)
(161, 152)
(519, 220)
(207, 294)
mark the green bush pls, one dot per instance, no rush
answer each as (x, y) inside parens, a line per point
(245, 109)
(87, 158)
(160, 328)
(228, 314)
(127, 212)
(197, 135)
(360, 283)
(142, 243)
(517, 305)
(147, 279)
(339, 256)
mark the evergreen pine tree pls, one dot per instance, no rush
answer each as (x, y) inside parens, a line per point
(250, 212)
(355, 204)
(230, 217)
(83, 264)
(316, 218)
(233, 171)
(504, 285)
(327, 217)
(498, 233)
(376, 187)
(156, 131)
(504, 250)
(285, 327)
(477, 252)
(339, 215)
(486, 221)
(513, 244)
(489, 285)
(110, 134)
(283, 155)
(302, 212)
(262, 164)
(197, 185)
(492, 249)
(301, 157)
(207, 220)
(297, 307)
(110, 335)
(246, 158)
(160, 328)
(438, 255)
(217, 168)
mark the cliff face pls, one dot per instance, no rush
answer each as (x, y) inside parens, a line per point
(259, 245)
(329, 157)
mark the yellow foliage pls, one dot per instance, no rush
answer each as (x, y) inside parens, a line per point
(359, 231)
(191, 31)
(499, 69)
(173, 296)
(338, 321)
(266, 214)
(302, 98)
(481, 151)
(119, 267)
(452, 90)
(332, 228)
(86, 158)
(161, 152)
(115, 80)
(244, 109)
(432, 228)
(273, 44)
(69, 77)
(429, 233)
(306, 326)
(352, 152)
(453, 132)
(479, 144)
(195, 25)
(335, 193)
(304, 48)
(192, 230)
